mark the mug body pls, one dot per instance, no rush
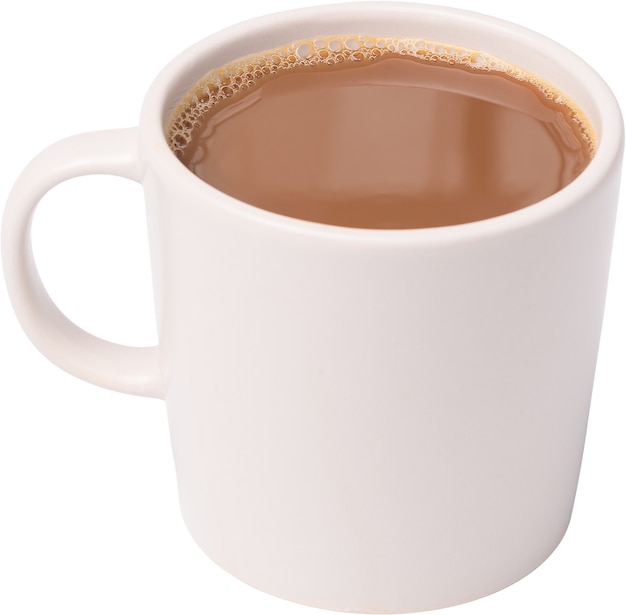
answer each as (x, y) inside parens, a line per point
(361, 420)
(371, 420)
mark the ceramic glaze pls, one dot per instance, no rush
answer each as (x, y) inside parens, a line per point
(362, 420)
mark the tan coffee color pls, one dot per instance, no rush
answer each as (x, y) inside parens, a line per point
(381, 133)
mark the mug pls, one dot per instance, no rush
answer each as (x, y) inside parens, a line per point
(361, 420)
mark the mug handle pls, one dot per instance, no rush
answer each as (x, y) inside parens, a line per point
(122, 368)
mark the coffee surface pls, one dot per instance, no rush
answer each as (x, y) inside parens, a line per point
(371, 135)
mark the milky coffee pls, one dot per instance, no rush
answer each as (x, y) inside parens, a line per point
(380, 133)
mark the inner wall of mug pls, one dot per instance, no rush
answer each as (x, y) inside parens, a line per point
(516, 45)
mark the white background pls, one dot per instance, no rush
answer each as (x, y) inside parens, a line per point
(89, 519)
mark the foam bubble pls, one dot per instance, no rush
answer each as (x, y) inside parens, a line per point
(224, 83)
(335, 46)
(304, 51)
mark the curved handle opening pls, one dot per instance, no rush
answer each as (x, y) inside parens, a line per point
(90, 245)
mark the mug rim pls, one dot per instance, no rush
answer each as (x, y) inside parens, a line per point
(156, 110)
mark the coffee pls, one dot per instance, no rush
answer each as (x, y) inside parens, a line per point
(380, 133)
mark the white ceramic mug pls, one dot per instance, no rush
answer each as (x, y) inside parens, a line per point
(362, 420)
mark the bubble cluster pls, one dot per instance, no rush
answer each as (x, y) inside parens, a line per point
(234, 79)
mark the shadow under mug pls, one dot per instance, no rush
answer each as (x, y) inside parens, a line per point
(361, 420)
